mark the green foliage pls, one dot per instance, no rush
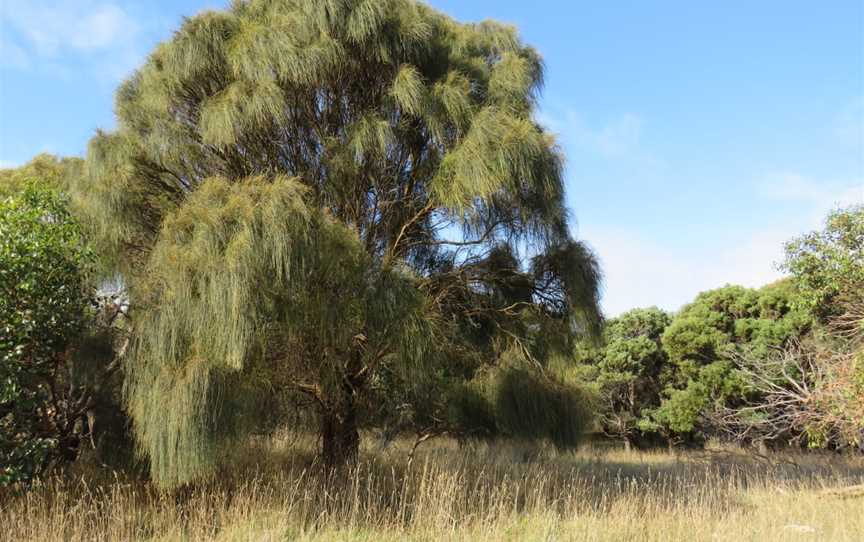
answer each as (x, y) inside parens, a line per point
(828, 265)
(331, 199)
(47, 170)
(238, 264)
(518, 403)
(704, 337)
(627, 370)
(681, 410)
(530, 406)
(720, 320)
(657, 375)
(43, 268)
(471, 409)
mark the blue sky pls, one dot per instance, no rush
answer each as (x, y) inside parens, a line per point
(699, 135)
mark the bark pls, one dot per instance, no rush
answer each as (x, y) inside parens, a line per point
(339, 435)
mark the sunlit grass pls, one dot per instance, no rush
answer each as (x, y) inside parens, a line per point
(482, 492)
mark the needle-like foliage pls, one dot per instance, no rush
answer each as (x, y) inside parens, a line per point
(306, 186)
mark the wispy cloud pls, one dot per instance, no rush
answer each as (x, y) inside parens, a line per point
(642, 272)
(6, 164)
(819, 196)
(46, 35)
(52, 27)
(616, 137)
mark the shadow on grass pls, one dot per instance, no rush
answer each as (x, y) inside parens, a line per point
(446, 485)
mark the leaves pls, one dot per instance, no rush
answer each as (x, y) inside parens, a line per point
(829, 264)
(43, 302)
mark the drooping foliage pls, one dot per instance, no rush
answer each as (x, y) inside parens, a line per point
(512, 400)
(318, 196)
(46, 170)
(530, 406)
(281, 285)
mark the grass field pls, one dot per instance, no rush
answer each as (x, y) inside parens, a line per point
(500, 492)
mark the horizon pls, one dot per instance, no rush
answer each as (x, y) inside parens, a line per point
(697, 141)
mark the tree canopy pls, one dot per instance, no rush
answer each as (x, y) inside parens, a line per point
(316, 194)
(628, 370)
(661, 376)
(702, 341)
(828, 265)
(46, 170)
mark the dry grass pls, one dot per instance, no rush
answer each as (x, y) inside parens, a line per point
(505, 492)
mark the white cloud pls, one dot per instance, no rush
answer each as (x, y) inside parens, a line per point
(43, 34)
(820, 196)
(6, 164)
(641, 272)
(618, 137)
(53, 27)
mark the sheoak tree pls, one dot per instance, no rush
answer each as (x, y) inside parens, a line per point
(301, 194)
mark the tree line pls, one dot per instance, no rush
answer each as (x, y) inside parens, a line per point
(780, 365)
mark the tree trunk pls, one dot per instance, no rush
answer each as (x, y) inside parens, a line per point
(339, 436)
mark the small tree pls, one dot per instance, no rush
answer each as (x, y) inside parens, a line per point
(813, 390)
(44, 394)
(828, 265)
(308, 196)
(627, 370)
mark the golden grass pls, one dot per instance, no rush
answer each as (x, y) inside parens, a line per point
(500, 492)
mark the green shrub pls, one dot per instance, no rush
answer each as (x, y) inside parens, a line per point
(43, 311)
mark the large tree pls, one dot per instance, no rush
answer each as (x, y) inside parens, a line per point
(307, 195)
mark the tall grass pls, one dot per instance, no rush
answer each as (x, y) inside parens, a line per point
(482, 492)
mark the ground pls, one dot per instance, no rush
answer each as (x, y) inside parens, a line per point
(481, 492)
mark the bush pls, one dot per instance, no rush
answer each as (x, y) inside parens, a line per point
(53, 377)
